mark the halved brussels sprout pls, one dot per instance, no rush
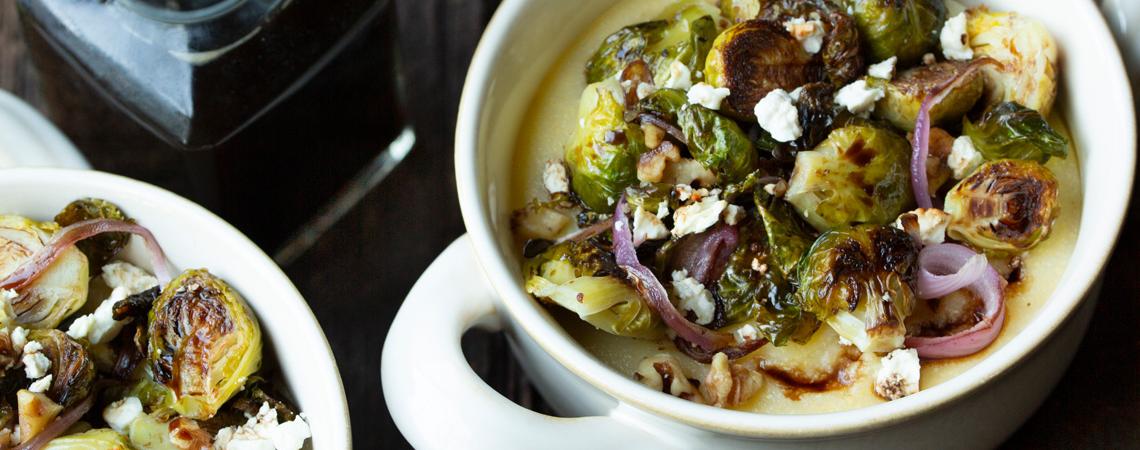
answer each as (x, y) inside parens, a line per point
(603, 155)
(907, 29)
(1027, 57)
(905, 93)
(585, 280)
(204, 342)
(1005, 206)
(841, 54)
(859, 174)
(1011, 131)
(685, 38)
(72, 370)
(861, 282)
(754, 57)
(717, 143)
(97, 439)
(102, 248)
(59, 292)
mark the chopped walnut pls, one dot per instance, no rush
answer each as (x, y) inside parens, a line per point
(730, 383)
(651, 166)
(687, 171)
(654, 135)
(777, 189)
(663, 372)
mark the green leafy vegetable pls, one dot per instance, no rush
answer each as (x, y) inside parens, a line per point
(904, 28)
(1011, 131)
(718, 143)
(603, 155)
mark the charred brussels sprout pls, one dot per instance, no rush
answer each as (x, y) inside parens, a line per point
(98, 439)
(204, 342)
(904, 28)
(861, 282)
(904, 95)
(1005, 206)
(1012, 131)
(717, 143)
(685, 39)
(603, 155)
(841, 56)
(859, 174)
(1026, 72)
(72, 370)
(59, 292)
(102, 248)
(585, 280)
(754, 57)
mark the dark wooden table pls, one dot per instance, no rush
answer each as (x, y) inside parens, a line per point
(357, 274)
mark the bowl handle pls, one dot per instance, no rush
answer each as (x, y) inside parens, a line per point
(438, 401)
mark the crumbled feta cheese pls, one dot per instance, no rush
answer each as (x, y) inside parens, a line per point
(963, 158)
(679, 77)
(8, 294)
(885, 69)
(955, 41)
(698, 216)
(645, 90)
(120, 414)
(683, 191)
(100, 326)
(647, 226)
(746, 333)
(808, 32)
(36, 365)
(899, 374)
(19, 337)
(778, 116)
(859, 98)
(932, 224)
(662, 210)
(733, 214)
(554, 177)
(777, 189)
(705, 95)
(127, 275)
(41, 385)
(929, 59)
(694, 297)
(263, 431)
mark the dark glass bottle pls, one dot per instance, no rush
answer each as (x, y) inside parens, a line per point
(276, 114)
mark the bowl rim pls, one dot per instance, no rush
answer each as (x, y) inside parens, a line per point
(523, 309)
(267, 270)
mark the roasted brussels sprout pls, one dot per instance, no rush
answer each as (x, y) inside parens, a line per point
(717, 143)
(861, 282)
(102, 248)
(60, 291)
(72, 370)
(816, 113)
(684, 39)
(1011, 131)
(907, 29)
(754, 57)
(841, 55)
(585, 280)
(664, 103)
(1026, 72)
(859, 174)
(1005, 206)
(905, 93)
(203, 343)
(97, 439)
(603, 155)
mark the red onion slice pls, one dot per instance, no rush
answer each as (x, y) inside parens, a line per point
(588, 232)
(31, 269)
(706, 254)
(990, 287)
(946, 268)
(59, 425)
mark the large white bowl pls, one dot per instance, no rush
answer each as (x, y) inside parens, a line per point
(195, 238)
(437, 401)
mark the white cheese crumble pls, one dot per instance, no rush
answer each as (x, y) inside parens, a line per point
(126, 275)
(964, 158)
(884, 69)
(645, 90)
(662, 210)
(679, 77)
(100, 326)
(955, 41)
(859, 98)
(36, 364)
(778, 116)
(705, 95)
(698, 216)
(263, 431)
(932, 224)
(694, 297)
(647, 226)
(19, 337)
(8, 294)
(733, 214)
(120, 414)
(808, 32)
(41, 385)
(796, 93)
(554, 177)
(899, 374)
(746, 333)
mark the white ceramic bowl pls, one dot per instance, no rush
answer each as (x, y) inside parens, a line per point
(195, 238)
(438, 402)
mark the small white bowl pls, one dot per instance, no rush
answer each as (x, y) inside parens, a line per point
(195, 238)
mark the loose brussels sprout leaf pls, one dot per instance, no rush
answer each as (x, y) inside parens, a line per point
(203, 343)
(1027, 57)
(59, 292)
(664, 103)
(102, 248)
(72, 370)
(685, 38)
(905, 93)
(585, 280)
(1011, 131)
(861, 282)
(1005, 206)
(841, 55)
(603, 155)
(97, 439)
(717, 143)
(621, 48)
(650, 197)
(904, 28)
(859, 174)
(754, 57)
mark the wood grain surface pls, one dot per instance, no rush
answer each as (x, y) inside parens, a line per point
(358, 273)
